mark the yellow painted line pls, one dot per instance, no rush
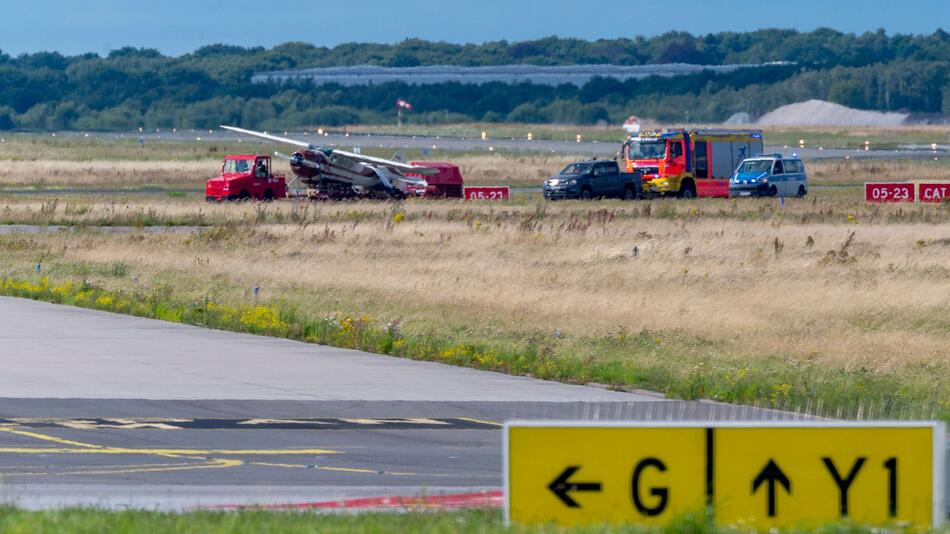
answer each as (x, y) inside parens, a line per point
(337, 469)
(13, 470)
(218, 463)
(356, 470)
(45, 437)
(479, 421)
(192, 452)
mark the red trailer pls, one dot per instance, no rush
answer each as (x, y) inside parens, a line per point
(447, 183)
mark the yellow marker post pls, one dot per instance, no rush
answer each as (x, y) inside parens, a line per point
(743, 474)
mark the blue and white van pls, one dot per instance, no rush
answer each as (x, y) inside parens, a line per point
(769, 175)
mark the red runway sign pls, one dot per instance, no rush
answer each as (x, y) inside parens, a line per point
(492, 192)
(934, 191)
(889, 192)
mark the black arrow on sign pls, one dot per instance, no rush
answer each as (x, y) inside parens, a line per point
(561, 487)
(772, 473)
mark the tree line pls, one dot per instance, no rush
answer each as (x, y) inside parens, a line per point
(133, 87)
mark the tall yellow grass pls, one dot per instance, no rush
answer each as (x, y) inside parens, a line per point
(803, 292)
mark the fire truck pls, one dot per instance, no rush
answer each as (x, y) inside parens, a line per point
(689, 162)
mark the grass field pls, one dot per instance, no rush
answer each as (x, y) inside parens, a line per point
(469, 522)
(822, 300)
(825, 305)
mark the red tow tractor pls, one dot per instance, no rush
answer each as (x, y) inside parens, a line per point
(245, 177)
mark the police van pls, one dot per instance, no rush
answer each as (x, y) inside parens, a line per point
(769, 175)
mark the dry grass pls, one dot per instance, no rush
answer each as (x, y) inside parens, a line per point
(858, 171)
(59, 173)
(761, 288)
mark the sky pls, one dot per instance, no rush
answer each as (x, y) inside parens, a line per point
(175, 27)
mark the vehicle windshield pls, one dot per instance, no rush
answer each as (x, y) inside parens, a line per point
(236, 166)
(756, 165)
(577, 168)
(646, 149)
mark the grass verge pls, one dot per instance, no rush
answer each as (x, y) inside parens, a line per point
(669, 361)
(69, 521)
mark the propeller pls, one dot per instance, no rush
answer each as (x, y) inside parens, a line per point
(297, 160)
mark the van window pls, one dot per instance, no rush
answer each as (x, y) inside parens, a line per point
(794, 166)
(779, 168)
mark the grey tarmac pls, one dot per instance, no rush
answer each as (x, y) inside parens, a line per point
(107, 410)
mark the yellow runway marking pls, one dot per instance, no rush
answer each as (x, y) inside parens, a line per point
(359, 470)
(479, 421)
(45, 437)
(189, 452)
(78, 447)
(218, 463)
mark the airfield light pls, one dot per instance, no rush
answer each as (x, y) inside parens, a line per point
(174, 130)
(801, 143)
(210, 131)
(578, 138)
(530, 136)
(433, 147)
(197, 139)
(85, 134)
(320, 131)
(491, 149)
(484, 135)
(933, 146)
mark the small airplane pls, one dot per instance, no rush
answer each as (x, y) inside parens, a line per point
(338, 174)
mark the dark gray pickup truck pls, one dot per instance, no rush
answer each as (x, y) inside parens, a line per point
(591, 179)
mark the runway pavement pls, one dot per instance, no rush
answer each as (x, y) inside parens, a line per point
(466, 144)
(99, 409)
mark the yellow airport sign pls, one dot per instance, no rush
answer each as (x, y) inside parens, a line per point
(743, 474)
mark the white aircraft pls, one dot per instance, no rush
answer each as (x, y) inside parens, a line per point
(337, 174)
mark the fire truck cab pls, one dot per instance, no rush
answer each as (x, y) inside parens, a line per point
(689, 162)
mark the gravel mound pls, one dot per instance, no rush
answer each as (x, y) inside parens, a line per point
(822, 113)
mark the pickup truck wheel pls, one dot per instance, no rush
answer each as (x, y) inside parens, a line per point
(585, 194)
(629, 193)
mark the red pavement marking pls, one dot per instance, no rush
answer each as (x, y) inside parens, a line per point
(483, 499)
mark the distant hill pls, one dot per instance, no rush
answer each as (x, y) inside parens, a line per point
(133, 88)
(821, 113)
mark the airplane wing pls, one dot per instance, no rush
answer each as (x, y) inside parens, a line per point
(404, 167)
(387, 162)
(269, 137)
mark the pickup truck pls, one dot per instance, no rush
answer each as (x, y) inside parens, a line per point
(593, 178)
